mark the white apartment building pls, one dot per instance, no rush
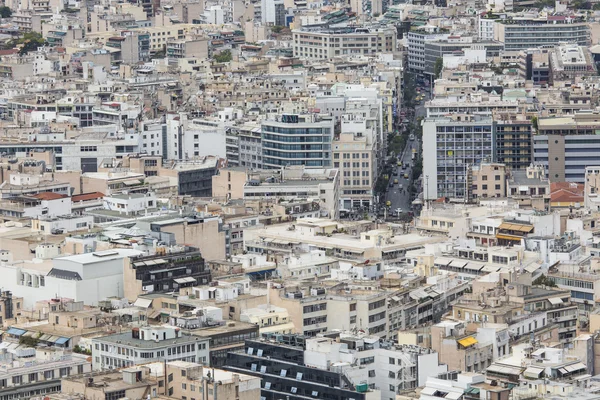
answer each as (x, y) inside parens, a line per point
(147, 344)
(390, 369)
(88, 277)
(188, 139)
(270, 319)
(317, 43)
(131, 203)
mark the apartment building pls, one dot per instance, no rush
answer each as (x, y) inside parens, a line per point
(450, 147)
(523, 33)
(188, 380)
(356, 159)
(321, 185)
(488, 180)
(37, 372)
(435, 49)
(147, 344)
(281, 367)
(513, 146)
(530, 188)
(569, 62)
(416, 47)
(318, 43)
(291, 140)
(178, 268)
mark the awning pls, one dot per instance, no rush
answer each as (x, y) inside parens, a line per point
(509, 237)
(62, 340)
(504, 369)
(53, 339)
(428, 391)
(533, 372)
(30, 333)
(188, 279)
(132, 182)
(143, 303)
(516, 227)
(45, 337)
(555, 301)
(575, 367)
(16, 331)
(155, 314)
(468, 341)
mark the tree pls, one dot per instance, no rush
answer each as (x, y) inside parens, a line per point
(223, 57)
(277, 29)
(543, 280)
(534, 122)
(28, 341)
(439, 66)
(5, 12)
(30, 41)
(160, 54)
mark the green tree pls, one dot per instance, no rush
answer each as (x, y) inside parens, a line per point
(581, 5)
(543, 280)
(596, 7)
(534, 122)
(5, 12)
(30, 41)
(439, 65)
(277, 29)
(28, 341)
(223, 57)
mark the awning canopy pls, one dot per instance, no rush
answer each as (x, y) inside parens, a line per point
(516, 227)
(533, 372)
(468, 341)
(509, 237)
(555, 301)
(16, 331)
(62, 340)
(575, 367)
(504, 369)
(143, 303)
(187, 279)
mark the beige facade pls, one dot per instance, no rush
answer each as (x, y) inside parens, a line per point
(132, 383)
(488, 180)
(459, 350)
(187, 380)
(207, 236)
(10, 307)
(229, 183)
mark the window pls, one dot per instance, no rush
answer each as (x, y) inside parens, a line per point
(483, 187)
(497, 177)
(484, 178)
(183, 386)
(88, 148)
(392, 388)
(392, 375)
(372, 373)
(353, 307)
(170, 378)
(392, 361)
(497, 187)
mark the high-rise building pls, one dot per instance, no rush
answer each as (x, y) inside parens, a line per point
(524, 33)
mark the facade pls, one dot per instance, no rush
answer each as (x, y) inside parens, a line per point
(488, 180)
(434, 49)
(570, 143)
(226, 338)
(282, 369)
(318, 43)
(194, 177)
(39, 375)
(528, 33)
(292, 140)
(513, 145)
(450, 147)
(297, 182)
(568, 62)
(88, 277)
(147, 344)
(165, 271)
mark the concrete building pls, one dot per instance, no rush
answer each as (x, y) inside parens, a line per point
(229, 183)
(130, 204)
(38, 372)
(282, 369)
(297, 182)
(488, 180)
(10, 306)
(194, 177)
(147, 344)
(450, 147)
(592, 188)
(87, 277)
(324, 44)
(513, 145)
(527, 32)
(270, 319)
(568, 62)
(530, 188)
(293, 140)
(567, 145)
(165, 271)
(190, 380)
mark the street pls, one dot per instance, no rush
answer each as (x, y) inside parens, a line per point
(400, 198)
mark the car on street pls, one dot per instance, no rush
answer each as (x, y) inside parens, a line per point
(405, 176)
